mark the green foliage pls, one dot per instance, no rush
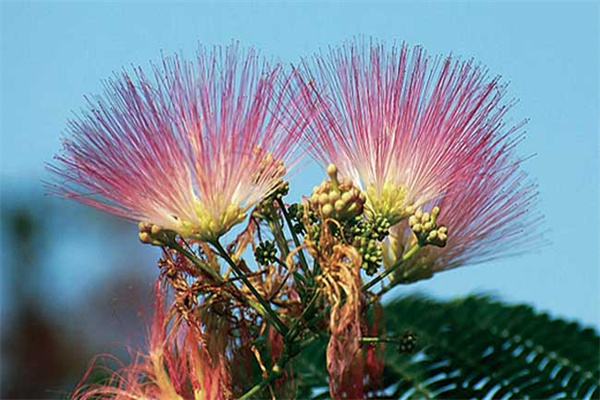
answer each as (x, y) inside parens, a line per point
(477, 347)
(310, 370)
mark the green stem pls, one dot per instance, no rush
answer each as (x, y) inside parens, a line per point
(197, 262)
(296, 275)
(294, 237)
(279, 236)
(399, 280)
(320, 315)
(293, 332)
(268, 313)
(278, 233)
(276, 370)
(283, 264)
(391, 269)
(316, 268)
(377, 340)
(384, 290)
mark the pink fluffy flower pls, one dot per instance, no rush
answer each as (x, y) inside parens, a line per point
(488, 215)
(177, 364)
(415, 131)
(190, 149)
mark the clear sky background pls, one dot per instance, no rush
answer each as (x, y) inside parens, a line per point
(54, 53)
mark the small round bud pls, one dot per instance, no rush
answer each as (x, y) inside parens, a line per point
(426, 230)
(332, 171)
(339, 200)
(408, 342)
(323, 199)
(144, 237)
(334, 196)
(276, 370)
(346, 197)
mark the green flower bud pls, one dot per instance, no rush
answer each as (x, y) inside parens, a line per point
(265, 253)
(154, 234)
(426, 230)
(408, 342)
(339, 200)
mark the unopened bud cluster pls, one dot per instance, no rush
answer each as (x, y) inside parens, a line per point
(424, 227)
(265, 253)
(367, 235)
(371, 252)
(154, 234)
(305, 221)
(264, 209)
(408, 342)
(282, 189)
(380, 227)
(390, 201)
(296, 212)
(338, 200)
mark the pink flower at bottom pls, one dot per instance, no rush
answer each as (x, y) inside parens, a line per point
(177, 365)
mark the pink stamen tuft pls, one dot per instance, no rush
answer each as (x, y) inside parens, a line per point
(437, 127)
(185, 147)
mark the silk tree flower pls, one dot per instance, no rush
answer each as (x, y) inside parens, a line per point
(189, 149)
(178, 364)
(488, 215)
(415, 131)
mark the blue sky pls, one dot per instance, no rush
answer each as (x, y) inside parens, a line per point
(54, 53)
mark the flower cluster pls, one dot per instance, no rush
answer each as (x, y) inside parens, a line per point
(190, 150)
(415, 131)
(422, 177)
